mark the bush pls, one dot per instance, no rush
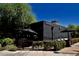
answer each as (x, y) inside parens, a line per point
(74, 40)
(11, 47)
(7, 41)
(59, 44)
(48, 45)
(37, 44)
(1, 41)
(1, 48)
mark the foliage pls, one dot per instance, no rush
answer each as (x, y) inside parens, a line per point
(72, 27)
(77, 28)
(37, 44)
(14, 16)
(1, 48)
(1, 41)
(7, 41)
(59, 44)
(45, 45)
(11, 47)
(48, 45)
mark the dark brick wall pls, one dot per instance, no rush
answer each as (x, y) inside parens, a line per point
(57, 34)
(38, 27)
(47, 33)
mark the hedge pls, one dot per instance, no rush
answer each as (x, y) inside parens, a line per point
(37, 44)
(48, 45)
(11, 47)
(59, 44)
(1, 48)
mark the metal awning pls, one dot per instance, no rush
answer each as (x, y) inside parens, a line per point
(28, 30)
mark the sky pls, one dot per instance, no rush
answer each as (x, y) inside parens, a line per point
(65, 14)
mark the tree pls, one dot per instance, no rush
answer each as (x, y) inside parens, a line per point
(77, 27)
(14, 16)
(6, 16)
(71, 27)
(74, 27)
(23, 15)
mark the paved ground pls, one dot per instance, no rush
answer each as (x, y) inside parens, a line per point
(32, 53)
(74, 49)
(68, 51)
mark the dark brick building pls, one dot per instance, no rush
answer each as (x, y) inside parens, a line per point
(42, 31)
(49, 31)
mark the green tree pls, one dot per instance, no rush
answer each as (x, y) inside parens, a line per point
(72, 27)
(23, 15)
(14, 16)
(77, 27)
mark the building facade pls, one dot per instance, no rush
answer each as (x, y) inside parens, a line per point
(48, 31)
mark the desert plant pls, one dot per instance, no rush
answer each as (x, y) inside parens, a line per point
(59, 44)
(48, 45)
(37, 44)
(1, 41)
(11, 47)
(63, 44)
(1, 48)
(7, 41)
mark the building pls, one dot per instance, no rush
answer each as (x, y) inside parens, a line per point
(48, 31)
(43, 31)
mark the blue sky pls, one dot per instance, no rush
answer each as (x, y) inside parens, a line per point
(64, 13)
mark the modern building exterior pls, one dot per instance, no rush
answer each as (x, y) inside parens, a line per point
(48, 31)
(42, 31)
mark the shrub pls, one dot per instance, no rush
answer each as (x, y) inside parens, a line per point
(44, 45)
(11, 47)
(1, 41)
(59, 44)
(47, 45)
(7, 41)
(37, 44)
(1, 48)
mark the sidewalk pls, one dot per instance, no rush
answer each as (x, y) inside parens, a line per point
(32, 53)
(74, 49)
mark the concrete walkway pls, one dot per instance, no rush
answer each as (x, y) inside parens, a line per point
(74, 49)
(32, 53)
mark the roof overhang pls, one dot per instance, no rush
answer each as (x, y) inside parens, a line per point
(27, 30)
(67, 30)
